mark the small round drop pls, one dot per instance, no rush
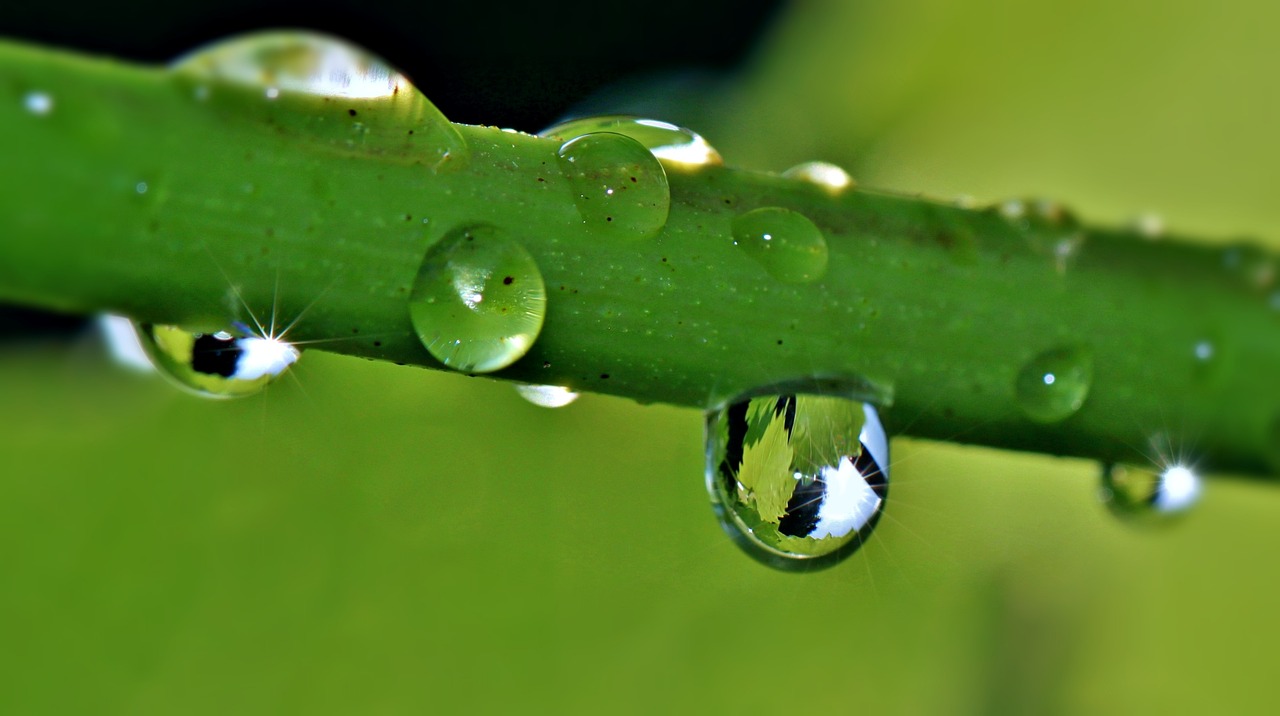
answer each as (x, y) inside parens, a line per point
(799, 481)
(216, 365)
(830, 177)
(620, 189)
(547, 396)
(786, 243)
(1052, 386)
(38, 103)
(668, 142)
(478, 301)
(1150, 494)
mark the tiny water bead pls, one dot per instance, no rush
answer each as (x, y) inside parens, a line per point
(668, 142)
(620, 189)
(38, 103)
(216, 365)
(547, 396)
(828, 176)
(1150, 493)
(798, 480)
(1052, 386)
(1049, 227)
(478, 301)
(784, 242)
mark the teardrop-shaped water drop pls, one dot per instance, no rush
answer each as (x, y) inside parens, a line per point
(668, 142)
(785, 242)
(1052, 386)
(547, 396)
(219, 364)
(830, 177)
(799, 480)
(374, 97)
(1150, 494)
(619, 187)
(479, 300)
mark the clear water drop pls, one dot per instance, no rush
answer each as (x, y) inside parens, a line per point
(1149, 226)
(547, 396)
(1052, 386)
(38, 103)
(478, 301)
(798, 480)
(828, 176)
(216, 365)
(786, 243)
(1150, 493)
(668, 142)
(620, 189)
(1049, 227)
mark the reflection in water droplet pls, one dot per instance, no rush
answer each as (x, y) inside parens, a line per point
(216, 365)
(1053, 385)
(619, 188)
(784, 242)
(799, 481)
(478, 301)
(121, 337)
(828, 176)
(547, 396)
(1149, 494)
(38, 103)
(668, 142)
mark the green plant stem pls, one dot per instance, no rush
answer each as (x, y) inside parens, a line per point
(301, 204)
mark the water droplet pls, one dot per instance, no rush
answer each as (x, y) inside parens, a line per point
(123, 344)
(828, 176)
(1203, 351)
(798, 480)
(547, 396)
(216, 365)
(140, 187)
(1050, 228)
(671, 144)
(1053, 385)
(784, 242)
(1150, 493)
(38, 103)
(1149, 226)
(618, 186)
(478, 301)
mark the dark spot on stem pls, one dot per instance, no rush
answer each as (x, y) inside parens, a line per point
(377, 344)
(507, 281)
(779, 341)
(410, 131)
(351, 112)
(408, 217)
(604, 376)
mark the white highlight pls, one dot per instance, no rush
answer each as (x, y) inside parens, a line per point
(695, 151)
(828, 176)
(1204, 350)
(38, 103)
(263, 357)
(1179, 489)
(123, 343)
(547, 396)
(848, 504)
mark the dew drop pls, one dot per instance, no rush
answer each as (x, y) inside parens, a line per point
(619, 188)
(668, 142)
(38, 103)
(1049, 227)
(478, 301)
(828, 176)
(1149, 226)
(1150, 493)
(216, 365)
(798, 480)
(547, 396)
(784, 242)
(1053, 385)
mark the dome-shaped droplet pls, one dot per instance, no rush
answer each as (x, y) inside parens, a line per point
(784, 242)
(799, 481)
(828, 176)
(1150, 493)
(375, 97)
(619, 188)
(1053, 385)
(547, 396)
(216, 365)
(478, 301)
(668, 142)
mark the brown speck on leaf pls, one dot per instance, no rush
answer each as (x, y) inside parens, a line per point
(410, 131)
(508, 280)
(604, 376)
(377, 344)
(408, 217)
(351, 112)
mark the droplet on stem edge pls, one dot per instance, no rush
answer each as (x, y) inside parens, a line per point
(218, 364)
(619, 188)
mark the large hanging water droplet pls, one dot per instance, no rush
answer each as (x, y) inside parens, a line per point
(619, 188)
(1053, 385)
(668, 142)
(478, 301)
(216, 365)
(799, 481)
(1150, 494)
(830, 177)
(784, 242)
(286, 65)
(547, 396)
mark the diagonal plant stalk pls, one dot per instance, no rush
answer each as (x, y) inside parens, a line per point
(129, 189)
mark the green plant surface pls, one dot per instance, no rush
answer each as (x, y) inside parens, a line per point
(139, 195)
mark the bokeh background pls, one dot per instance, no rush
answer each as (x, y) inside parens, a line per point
(376, 539)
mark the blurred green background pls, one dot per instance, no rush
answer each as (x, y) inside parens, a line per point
(375, 539)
